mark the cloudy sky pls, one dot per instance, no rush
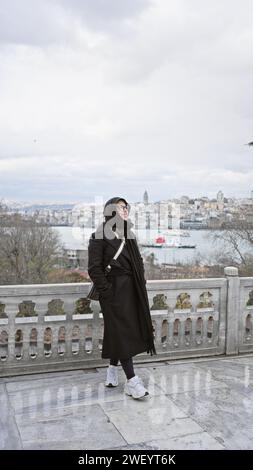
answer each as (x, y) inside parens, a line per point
(100, 98)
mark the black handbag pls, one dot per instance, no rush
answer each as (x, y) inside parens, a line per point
(93, 293)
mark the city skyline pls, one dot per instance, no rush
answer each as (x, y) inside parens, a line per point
(100, 199)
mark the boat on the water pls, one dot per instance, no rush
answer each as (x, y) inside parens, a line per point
(152, 245)
(166, 245)
(158, 243)
(186, 246)
(161, 242)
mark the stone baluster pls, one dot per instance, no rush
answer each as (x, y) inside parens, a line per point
(233, 296)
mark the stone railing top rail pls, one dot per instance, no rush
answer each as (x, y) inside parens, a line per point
(76, 286)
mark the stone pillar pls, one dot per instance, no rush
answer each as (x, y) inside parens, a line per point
(233, 297)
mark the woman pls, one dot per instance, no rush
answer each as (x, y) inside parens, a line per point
(123, 296)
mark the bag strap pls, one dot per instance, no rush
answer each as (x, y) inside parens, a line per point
(119, 250)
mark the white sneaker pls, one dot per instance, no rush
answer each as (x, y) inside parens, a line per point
(135, 388)
(112, 376)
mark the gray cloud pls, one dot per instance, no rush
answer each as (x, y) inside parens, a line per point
(45, 22)
(104, 12)
(29, 22)
(136, 94)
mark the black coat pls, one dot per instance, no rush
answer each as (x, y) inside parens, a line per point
(119, 298)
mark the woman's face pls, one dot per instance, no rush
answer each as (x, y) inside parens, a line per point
(122, 209)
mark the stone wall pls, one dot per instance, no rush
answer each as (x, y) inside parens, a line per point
(52, 327)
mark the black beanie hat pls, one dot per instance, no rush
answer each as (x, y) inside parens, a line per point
(113, 218)
(110, 205)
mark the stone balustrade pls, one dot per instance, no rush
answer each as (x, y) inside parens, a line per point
(50, 327)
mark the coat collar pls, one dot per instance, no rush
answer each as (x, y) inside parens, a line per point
(115, 243)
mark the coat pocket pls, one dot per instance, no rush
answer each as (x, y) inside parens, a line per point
(107, 294)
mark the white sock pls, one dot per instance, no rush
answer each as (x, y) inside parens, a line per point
(131, 378)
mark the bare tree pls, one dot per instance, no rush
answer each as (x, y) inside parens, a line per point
(28, 250)
(237, 238)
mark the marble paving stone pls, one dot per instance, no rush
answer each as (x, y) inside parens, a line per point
(227, 367)
(9, 435)
(159, 402)
(198, 441)
(196, 360)
(190, 368)
(134, 430)
(50, 381)
(223, 413)
(76, 444)
(138, 446)
(244, 375)
(184, 366)
(240, 385)
(59, 402)
(175, 381)
(193, 404)
(236, 380)
(56, 399)
(90, 426)
(50, 375)
(149, 419)
(237, 438)
(147, 372)
(239, 359)
(173, 367)
(24, 383)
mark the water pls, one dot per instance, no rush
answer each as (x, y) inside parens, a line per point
(77, 238)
